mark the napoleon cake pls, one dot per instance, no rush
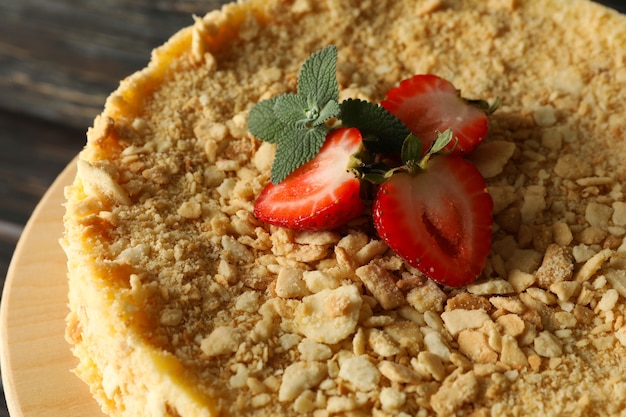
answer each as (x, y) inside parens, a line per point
(183, 302)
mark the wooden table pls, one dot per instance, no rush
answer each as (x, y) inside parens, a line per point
(59, 59)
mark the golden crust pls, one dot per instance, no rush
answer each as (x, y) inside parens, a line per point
(182, 304)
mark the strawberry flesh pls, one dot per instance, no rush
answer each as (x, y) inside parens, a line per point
(321, 194)
(428, 104)
(438, 220)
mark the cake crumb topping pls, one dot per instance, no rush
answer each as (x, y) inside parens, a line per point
(168, 261)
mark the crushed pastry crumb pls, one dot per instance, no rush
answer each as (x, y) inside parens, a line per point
(182, 302)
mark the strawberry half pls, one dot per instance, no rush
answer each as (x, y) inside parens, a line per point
(439, 220)
(321, 194)
(428, 104)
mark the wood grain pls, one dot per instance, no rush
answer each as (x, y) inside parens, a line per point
(60, 59)
(33, 152)
(36, 359)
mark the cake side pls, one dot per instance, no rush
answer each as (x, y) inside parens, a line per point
(209, 311)
(115, 362)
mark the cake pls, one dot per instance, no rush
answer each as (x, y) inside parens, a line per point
(182, 303)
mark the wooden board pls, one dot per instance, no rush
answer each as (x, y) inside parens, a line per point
(36, 360)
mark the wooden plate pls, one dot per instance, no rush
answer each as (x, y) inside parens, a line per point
(36, 359)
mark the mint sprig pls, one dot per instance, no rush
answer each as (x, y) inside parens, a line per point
(296, 122)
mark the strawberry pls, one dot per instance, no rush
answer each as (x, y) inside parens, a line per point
(321, 194)
(439, 219)
(428, 104)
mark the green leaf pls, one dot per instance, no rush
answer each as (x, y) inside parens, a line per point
(263, 123)
(382, 132)
(330, 110)
(291, 110)
(411, 149)
(296, 122)
(295, 110)
(297, 147)
(443, 139)
(318, 77)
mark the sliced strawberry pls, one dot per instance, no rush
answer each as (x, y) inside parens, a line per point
(438, 220)
(427, 104)
(321, 194)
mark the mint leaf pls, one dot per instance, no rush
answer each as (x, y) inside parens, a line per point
(263, 123)
(295, 149)
(318, 77)
(295, 122)
(330, 110)
(295, 110)
(291, 110)
(382, 132)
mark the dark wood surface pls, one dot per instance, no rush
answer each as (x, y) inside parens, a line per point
(59, 59)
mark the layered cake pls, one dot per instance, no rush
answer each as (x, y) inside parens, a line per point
(184, 301)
